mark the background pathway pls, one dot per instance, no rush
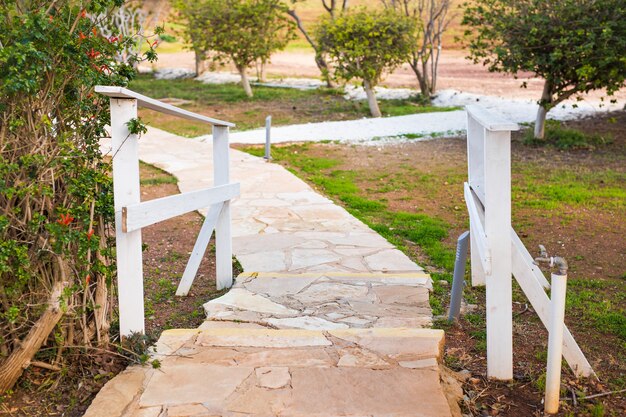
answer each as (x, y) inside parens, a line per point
(329, 319)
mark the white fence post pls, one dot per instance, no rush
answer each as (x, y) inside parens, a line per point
(475, 175)
(498, 231)
(126, 192)
(223, 239)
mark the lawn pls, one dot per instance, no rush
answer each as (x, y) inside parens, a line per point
(285, 105)
(573, 202)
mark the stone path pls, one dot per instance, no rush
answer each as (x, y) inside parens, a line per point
(329, 319)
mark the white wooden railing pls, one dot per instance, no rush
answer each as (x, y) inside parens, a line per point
(497, 252)
(131, 214)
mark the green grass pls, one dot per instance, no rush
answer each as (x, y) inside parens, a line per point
(576, 187)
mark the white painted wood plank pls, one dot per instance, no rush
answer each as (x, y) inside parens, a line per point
(541, 304)
(519, 250)
(144, 214)
(126, 192)
(490, 120)
(497, 228)
(476, 157)
(199, 249)
(152, 104)
(476, 227)
(223, 237)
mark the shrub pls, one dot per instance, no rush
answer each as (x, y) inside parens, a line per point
(56, 203)
(565, 138)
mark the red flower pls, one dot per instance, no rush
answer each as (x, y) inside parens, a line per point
(92, 54)
(89, 234)
(83, 13)
(113, 39)
(65, 219)
(87, 279)
(50, 18)
(81, 36)
(95, 31)
(153, 44)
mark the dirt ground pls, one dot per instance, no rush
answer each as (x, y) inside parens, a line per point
(68, 393)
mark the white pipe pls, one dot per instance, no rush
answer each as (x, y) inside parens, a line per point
(555, 343)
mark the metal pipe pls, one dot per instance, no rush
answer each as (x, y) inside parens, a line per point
(268, 128)
(458, 281)
(555, 339)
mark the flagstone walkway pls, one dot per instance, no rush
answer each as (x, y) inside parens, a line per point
(329, 319)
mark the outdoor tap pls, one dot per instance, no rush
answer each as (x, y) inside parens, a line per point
(553, 261)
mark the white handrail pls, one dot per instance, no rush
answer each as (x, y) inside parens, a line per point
(131, 215)
(490, 120)
(152, 104)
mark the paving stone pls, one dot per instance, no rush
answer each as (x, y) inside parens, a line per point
(246, 300)
(148, 412)
(187, 410)
(328, 291)
(400, 344)
(366, 392)
(390, 260)
(273, 377)
(188, 384)
(361, 358)
(251, 400)
(402, 294)
(264, 243)
(302, 258)
(118, 394)
(262, 338)
(210, 324)
(263, 261)
(304, 357)
(278, 286)
(420, 363)
(305, 322)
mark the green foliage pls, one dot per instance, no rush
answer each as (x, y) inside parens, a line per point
(563, 138)
(136, 126)
(55, 188)
(363, 44)
(575, 45)
(167, 38)
(240, 31)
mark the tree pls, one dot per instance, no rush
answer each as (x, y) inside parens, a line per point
(575, 45)
(332, 7)
(363, 44)
(240, 31)
(56, 203)
(431, 18)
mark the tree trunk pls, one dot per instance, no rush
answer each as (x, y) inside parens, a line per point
(321, 63)
(198, 62)
(371, 99)
(421, 79)
(261, 72)
(546, 100)
(245, 82)
(12, 368)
